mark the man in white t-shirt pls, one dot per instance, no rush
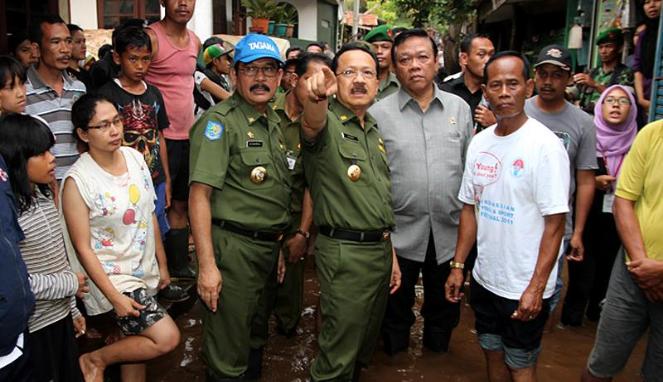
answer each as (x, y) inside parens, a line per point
(515, 195)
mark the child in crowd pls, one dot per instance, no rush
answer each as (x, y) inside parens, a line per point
(117, 244)
(25, 143)
(211, 76)
(12, 93)
(143, 115)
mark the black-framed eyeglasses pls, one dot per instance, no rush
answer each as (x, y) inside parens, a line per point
(623, 101)
(105, 125)
(252, 71)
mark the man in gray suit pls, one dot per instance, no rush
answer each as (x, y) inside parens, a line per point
(426, 133)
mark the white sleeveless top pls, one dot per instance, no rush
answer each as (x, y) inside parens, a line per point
(121, 229)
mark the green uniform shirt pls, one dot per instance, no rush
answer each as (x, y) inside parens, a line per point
(338, 202)
(589, 96)
(389, 86)
(290, 131)
(227, 144)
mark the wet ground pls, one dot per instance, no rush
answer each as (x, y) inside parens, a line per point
(563, 357)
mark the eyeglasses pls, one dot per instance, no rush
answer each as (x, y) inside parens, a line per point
(105, 125)
(617, 100)
(252, 71)
(351, 73)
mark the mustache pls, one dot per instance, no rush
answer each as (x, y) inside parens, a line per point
(259, 86)
(547, 88)
(359, 89)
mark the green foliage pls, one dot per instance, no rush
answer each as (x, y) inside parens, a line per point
(258, 9)
(436, 13)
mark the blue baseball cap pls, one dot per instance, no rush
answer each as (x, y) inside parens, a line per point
(256, 46)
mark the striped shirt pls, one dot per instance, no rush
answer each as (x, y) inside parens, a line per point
(55, 109)
(53, 282)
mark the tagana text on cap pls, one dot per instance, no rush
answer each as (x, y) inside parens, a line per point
(555, 55)
(256, 46)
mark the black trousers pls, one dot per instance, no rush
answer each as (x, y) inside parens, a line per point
(440, 316)
(21, 369)
(588, 280)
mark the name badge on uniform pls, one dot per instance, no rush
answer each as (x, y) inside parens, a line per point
(350, 137)
(292, 160)
(608, 202)
(254, 143)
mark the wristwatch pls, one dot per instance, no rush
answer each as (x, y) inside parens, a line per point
(456, 265)
(303, 233)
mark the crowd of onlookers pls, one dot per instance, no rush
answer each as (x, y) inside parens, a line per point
(443, 180)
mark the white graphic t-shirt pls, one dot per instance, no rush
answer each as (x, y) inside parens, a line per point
(514, 181)
(121, 230)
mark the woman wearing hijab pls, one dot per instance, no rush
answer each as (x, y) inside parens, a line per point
(615, 119)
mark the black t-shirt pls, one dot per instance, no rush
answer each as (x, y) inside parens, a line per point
(457, 87)
(143, 116)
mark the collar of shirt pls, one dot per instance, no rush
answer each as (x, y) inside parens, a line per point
(388, 81)
(404, 97)
(278, 105)
(346, 115)
(38, 83)
(252, 115)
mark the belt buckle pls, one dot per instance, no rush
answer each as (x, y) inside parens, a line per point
(385, 235)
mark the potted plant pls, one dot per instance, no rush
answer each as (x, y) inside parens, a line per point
(290, 18)
(281, 23)
(260, 12)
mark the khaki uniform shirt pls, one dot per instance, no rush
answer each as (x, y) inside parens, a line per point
(228, 144)
(387, 87)
(291, 135)
(338, 202)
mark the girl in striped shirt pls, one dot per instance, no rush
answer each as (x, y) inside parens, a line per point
(25, 143)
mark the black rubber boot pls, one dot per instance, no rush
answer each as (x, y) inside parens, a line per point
(176, 246)
(254, 368)
(395, 343)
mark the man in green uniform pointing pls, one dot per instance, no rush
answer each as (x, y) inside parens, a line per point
(239, 202)
(346, 168)
(290, 294)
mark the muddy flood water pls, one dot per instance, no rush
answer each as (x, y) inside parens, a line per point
(564, 354)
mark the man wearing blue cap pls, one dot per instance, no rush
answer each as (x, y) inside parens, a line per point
(239, 203)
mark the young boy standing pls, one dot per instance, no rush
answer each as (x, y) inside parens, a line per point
(144, 117)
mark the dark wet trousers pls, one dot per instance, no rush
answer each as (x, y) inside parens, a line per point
(440, 315)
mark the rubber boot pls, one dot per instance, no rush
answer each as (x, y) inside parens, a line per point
(176, 246)
(436, 340)
(254, 368)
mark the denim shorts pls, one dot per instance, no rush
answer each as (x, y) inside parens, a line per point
(519, 340)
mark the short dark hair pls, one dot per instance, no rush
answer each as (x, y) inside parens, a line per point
(409, 33)
(131, 37)
(320, 45)
(466, 42)
(212, 41)
(293, 49)
(503, 54)
(82, 112)
(15, 39)
(306, 58)
(104, 49)
(22, 137)
(74, 28)
(36, 34)
(10, 69)
(130, 23)
(356, 45)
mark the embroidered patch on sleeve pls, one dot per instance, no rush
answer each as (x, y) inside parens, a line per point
(214, 130)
